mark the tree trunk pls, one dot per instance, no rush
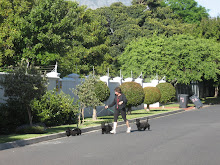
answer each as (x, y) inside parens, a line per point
(148, 108)
(30, 116)
(94, 116)
(83, 115)
(129, 111)
(216, 91)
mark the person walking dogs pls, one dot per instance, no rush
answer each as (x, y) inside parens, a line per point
(120, 102)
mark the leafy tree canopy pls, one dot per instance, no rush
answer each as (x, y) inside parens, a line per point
(188, 10)
(181, 57)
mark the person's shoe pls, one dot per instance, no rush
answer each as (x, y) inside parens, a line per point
(128, 129)
(113, 131)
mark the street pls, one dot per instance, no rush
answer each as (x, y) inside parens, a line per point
(186, 138)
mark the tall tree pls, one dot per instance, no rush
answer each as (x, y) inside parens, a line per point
(188, 10)
(87, 95)
(89, 47)
(11, 16)
(208, 28)
(47, 30)
(181, 57)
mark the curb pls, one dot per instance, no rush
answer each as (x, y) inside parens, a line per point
(21, 143)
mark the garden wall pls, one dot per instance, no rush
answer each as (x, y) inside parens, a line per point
(69, 82)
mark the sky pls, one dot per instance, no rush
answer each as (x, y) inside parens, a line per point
(213, 5)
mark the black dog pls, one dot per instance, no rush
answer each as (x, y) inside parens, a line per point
(68, 132)
(73, 132)
(76, 131)
(106, 128)
(142, 124)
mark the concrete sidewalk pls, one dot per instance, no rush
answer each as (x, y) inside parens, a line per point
(21, 143)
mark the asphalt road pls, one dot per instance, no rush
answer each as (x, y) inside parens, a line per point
(187, 138)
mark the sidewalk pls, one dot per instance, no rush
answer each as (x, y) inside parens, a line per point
(21, 143)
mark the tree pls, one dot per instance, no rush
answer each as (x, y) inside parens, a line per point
(87, 95)
(152, 95)
(47, 30)
(180, 58)
(12, 13)
(152, 4)
(208, 28)
(188, 10)
(167, 92)
(22, 85)
(90, 45)
(102, 91)
(134, 94)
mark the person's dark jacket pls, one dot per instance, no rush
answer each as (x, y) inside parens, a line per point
(121, 98)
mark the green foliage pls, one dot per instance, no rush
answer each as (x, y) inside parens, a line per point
(188, 10)
(181, 57)
(133, 92)
(55, 109)
(47, 30)
(167, 92)
(87, 95)
(208, 28)
(152, 95)
(152, 4)
(12, 114)
(101, 90)
(21, 86)
(89, 47)
(27, 129)
(12, 13)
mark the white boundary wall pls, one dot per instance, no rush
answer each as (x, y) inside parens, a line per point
(69, 82)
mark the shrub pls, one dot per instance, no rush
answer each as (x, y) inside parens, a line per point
(167, 92)
(134, 94)
(35, 129)
(152, 95)
(55, 109)
(12, 114)
(101, 90)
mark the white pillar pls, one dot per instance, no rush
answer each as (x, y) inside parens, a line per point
(118, 79)
(139, 81)
(105, 79)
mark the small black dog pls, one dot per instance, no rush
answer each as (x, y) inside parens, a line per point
(106, 128)
(68, 132)
(73, 132)
(76, 131)
(142, 124)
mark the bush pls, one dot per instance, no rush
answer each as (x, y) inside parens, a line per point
(102, 91)
(134, 94)
(35, 129)
(152, 95)
(55, 109)
(167, 92)
(12, 114)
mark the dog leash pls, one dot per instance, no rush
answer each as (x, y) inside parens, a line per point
(104, 109)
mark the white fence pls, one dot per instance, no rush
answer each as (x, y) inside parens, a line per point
(69, 82)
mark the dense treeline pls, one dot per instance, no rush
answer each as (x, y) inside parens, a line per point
(46, 31)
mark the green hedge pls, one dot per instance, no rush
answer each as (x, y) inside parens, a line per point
(152, 95)
(167, 91)
(133, 92)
